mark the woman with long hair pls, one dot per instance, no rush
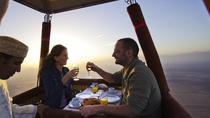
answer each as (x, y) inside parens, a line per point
(56, 78)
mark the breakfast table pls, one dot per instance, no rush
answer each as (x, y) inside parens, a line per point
(112, 95)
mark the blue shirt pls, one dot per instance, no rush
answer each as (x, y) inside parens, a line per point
(54, 88)
(63, 98)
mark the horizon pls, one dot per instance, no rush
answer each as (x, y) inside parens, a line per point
(184, 62)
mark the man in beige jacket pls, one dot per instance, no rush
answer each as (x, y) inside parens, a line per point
(12, 54)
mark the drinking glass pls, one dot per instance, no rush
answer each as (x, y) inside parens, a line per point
(104, 101)
(88, 69)
(76, 68)
(95, 89)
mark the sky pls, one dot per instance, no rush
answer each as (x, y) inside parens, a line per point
(180, 30)
(176, 26)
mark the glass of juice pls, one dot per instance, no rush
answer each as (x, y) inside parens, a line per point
(104, 101)
(95, 89)
(76, 68)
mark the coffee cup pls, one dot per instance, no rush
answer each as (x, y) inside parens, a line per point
(111, 90)
(75, 102)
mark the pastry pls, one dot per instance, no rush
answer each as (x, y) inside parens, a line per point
(91, 101)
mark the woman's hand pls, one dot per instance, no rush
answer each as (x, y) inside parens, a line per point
(71, 74)
(68, 76)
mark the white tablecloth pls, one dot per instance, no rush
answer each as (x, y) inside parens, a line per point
(89, 90)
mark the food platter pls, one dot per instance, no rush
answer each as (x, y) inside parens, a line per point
(112, 98)
(84, 95)
(75, 103)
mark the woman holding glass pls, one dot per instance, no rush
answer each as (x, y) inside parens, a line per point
(56, 78)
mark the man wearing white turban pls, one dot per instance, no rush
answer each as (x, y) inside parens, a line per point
(12, 54)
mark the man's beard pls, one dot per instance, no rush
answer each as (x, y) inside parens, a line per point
(5, 77)
(120, 62)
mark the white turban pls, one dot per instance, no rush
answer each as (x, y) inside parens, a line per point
(12, 47)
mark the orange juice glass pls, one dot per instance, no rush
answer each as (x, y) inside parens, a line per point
(104, 101)
(95, 89)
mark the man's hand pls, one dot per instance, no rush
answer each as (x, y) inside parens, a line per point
(92, 66)
(105, 75)
(40, 109)
(90, 110)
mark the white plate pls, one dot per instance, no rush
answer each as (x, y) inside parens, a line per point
(84, 95)
(102, 86)
(72, 106)
(75, 103)
(112, 98)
